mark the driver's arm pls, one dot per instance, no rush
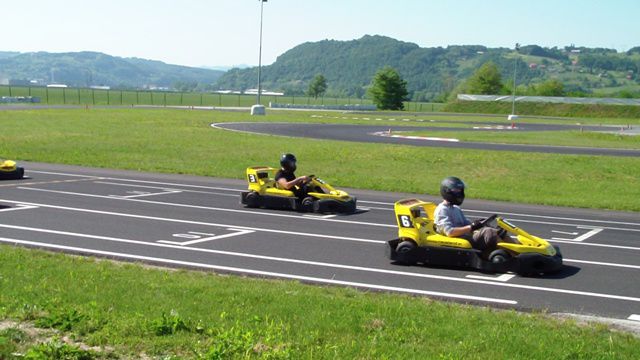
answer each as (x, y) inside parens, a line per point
(445, 224)
(457, 231)
(288, 185)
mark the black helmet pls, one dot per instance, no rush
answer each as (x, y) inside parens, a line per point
(288, 162)
(452, 190)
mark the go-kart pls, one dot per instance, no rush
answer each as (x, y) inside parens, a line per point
(9, 170)
(418, 242)
(320, 197)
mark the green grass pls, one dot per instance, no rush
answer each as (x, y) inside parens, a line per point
(197, 315)
(560, 138)
(546, 109)
(181, 141)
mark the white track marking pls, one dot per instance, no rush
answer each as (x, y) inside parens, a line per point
(596, 245)
(320, 216)
(212, 237)
(339, 266)
(139, 194)
(634, 317)
(501, 278)
(261, 213)
(63, 174)
(140, 181)
(564, 232)
(164, 188)
(409, 137)
(336, 220)
(262, 273)
(196, 223)
(381, 203)
(602, 263)
(19, 207)
(582, 237)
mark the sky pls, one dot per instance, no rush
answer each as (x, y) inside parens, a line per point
(226, 32)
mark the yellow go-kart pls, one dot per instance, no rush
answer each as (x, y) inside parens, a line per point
(320, 196)
(9, 170)
(418, 242)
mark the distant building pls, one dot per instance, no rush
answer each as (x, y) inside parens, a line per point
(262, 92)
(100, 87)
(57, 86)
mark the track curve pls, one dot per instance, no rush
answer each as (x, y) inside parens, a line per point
(367, 133)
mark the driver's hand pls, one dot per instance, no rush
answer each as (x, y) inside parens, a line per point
(477, 224)
(304, 179)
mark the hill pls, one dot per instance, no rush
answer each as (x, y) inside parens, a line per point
(349, 67)
(94, 68)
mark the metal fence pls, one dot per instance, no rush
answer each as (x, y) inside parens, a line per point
(87, 96)
(550, 99)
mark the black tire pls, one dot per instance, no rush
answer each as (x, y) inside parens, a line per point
(308, 204)
(499, 256)
(405, 250)
(252, 199)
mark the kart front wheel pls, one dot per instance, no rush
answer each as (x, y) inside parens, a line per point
(405, 252)
(252, 199)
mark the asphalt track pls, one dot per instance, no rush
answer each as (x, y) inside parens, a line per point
(197, 222)
(379, 134)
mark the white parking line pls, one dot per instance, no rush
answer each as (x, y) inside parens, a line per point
(263, 273)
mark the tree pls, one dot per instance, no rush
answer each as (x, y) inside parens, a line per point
(318, 86)
(388, 90)
(551, 87)
(485, 81)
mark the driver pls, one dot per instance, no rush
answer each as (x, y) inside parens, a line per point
(450, 219)
(287, 180)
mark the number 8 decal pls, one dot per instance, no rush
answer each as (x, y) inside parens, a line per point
(405, 221)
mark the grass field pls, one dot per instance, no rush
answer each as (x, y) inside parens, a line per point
(181, 141)
(76, 302)
(54, 306)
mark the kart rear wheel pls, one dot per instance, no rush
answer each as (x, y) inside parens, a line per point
(252, 199)
(499, 256)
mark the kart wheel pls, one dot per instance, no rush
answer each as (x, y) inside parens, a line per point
(252, 200)
(499, 256)
(307, 204)
(404, 250)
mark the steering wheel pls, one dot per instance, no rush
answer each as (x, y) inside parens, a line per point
(489, 220)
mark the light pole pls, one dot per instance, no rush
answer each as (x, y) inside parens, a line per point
(258, 109)
(513, 97)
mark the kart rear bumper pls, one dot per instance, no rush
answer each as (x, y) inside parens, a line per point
(18, 173)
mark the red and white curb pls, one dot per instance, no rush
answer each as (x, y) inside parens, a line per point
(427, 138)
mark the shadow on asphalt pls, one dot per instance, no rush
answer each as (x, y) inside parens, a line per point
(567, 271)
